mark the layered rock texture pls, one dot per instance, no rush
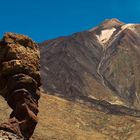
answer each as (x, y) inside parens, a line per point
(99, 67)
(20, 81)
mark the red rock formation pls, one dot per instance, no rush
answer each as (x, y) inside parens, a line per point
(19, 63)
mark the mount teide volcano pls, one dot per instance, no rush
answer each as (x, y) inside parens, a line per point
(99, 67)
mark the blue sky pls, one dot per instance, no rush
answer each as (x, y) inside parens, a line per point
(47, 19)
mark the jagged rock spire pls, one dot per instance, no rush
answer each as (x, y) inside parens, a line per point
(19, 63)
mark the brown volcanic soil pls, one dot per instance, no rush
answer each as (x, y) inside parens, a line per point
(60, 119)
(4, 110)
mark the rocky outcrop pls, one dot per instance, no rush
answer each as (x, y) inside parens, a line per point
(19, 73)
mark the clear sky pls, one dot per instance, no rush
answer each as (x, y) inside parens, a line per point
(46, 19)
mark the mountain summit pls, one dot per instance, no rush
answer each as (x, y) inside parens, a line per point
(109, 23)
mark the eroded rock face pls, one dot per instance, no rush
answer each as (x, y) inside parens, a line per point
(19, 73)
